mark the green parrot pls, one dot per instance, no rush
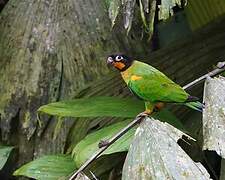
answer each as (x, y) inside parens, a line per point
(151, 85)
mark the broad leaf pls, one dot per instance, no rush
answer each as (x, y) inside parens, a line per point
(105, 107)
(95, 107)
(202, 12)
(4, 154)
(89, 145)
(48, 167)
(155, 154)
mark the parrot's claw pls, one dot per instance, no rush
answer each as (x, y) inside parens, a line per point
(103, 143)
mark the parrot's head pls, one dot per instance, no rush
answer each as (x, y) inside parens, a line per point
(119, 61)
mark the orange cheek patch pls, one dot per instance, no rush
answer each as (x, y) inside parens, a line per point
(135, 78)
(119, 65)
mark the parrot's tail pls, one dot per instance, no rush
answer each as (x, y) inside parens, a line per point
(196, 105)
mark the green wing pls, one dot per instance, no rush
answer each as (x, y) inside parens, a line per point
(154, 86)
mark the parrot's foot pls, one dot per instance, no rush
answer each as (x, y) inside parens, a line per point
(146, 113)
(142, 114)
(103, 143)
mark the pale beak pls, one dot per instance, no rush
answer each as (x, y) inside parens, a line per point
(110, 61)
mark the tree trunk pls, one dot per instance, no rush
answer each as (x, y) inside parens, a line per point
(48, 50)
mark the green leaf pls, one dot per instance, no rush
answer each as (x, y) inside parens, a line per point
(105, 107)
(48, 167)
(89, 145)
(4, 154)
(95, 107)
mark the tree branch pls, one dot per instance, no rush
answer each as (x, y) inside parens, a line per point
(220, 68)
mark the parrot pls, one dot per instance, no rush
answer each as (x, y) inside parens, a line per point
(151, 85)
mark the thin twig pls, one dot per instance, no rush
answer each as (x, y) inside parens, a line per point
(220, 69)
(110, 142)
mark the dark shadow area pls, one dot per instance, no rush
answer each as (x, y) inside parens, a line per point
(2, 4)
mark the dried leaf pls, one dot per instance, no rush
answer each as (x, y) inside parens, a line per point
(155, 154)
(114, 6)
(214, 115)
(146, 5)
(128, 11)
(165, 9)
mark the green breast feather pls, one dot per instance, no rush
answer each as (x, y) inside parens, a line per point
(151, 85)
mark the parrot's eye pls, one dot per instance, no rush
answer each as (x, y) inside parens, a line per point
(118, 58)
